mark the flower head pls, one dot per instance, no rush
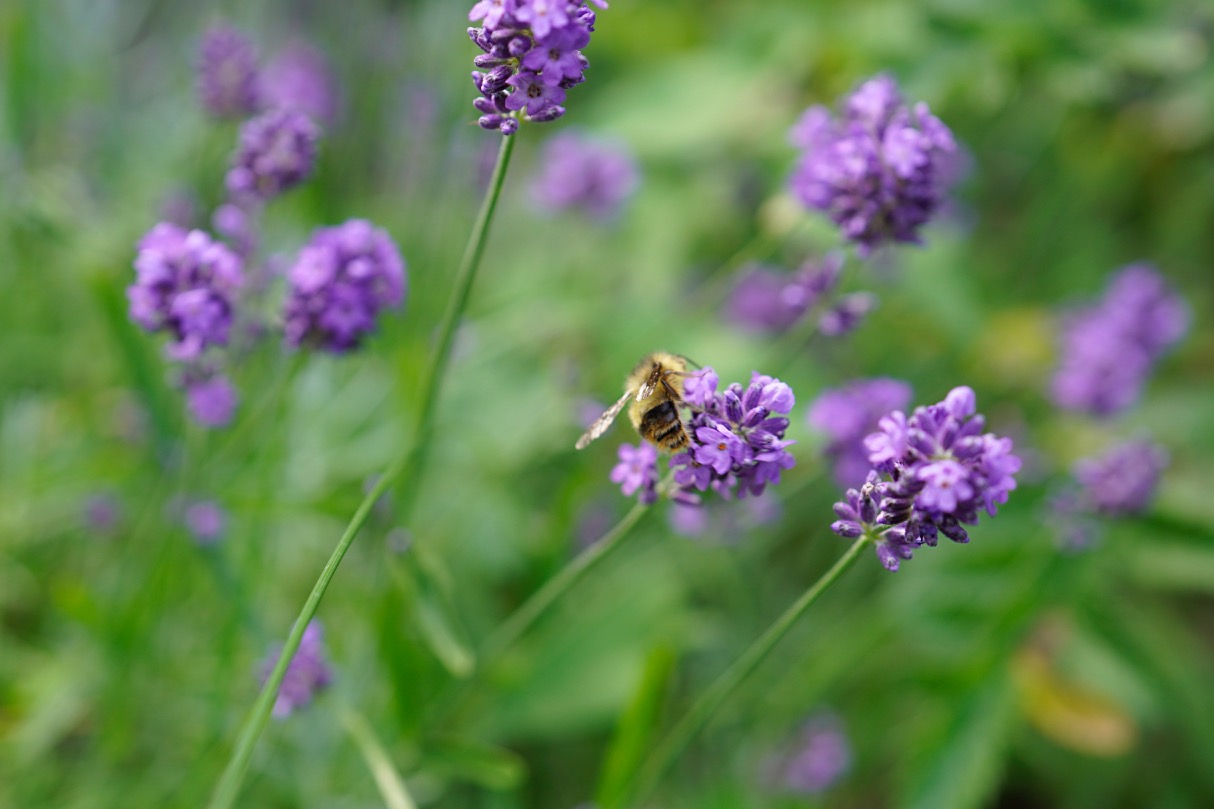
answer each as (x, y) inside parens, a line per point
(277, 151)
(767, 300)
(876, 170)
(186, 284)
(580, 172)
(206, 521)
(933, 472)
(532, 53)
(736, 437)
(1122, 481)
(299, 78)
(820, 756)
(344, 276)
(227, 73)
(850, 413)
(307, 673)
(1109, 349)
(637, 472)
(211, 399)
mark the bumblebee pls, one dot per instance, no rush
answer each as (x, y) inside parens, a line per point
(653, 391)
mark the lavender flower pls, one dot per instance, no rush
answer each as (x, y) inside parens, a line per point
(206, 521)
(342, 279)
(637, 472)
(277, 152)
(227, 73)
(850, 413)
(102, 513)
(737, 436)
(532, 50)
(1122, 481)
(185, 285)
(299, 78)
(876, 170)
(1109, 349)
(818, 759)
(211, 399)
(846, 314)
(307, 673)
(932, 473)
(583, 173)
(766, 300)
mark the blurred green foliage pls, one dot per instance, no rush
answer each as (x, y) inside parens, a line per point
(1002, 673)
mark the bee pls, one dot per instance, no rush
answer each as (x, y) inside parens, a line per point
(654, 391)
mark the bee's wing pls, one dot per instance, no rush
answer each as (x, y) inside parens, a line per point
(603, 422)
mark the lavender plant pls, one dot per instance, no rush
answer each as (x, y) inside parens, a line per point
(1108, 349)
(533, 52)
(876, 170)
(932, 474)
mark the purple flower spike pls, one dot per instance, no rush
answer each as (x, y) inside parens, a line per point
(850, 413)
(578, 172)
(206, 521)
(819, 758)
(535, 50)
(933, 473)
(227, 73)
(299, 78)
(876, 170)
(212, 400)
(186, 284)
(307, 673)
(737, 435)
(767, 300)
(1110, 348)
(1122, 481)
(343, 278)
(277, 152)
(637, 472)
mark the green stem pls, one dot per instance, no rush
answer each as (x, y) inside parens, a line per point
(675, 742)
(233, 775)
(525, 616)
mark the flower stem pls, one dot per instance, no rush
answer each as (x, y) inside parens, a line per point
(675, 742)
(412, 456)
(525, 616)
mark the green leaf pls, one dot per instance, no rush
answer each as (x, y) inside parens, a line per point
(425, 578)
(484, 764)
(965, 770)
(637, 726)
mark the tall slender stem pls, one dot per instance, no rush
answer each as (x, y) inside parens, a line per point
(233, 775)
(525, 616)
(675, 742)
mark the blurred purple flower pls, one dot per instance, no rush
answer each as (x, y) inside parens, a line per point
(277, 152)
(850, 413)
(846, 314)
(1109, 348)
(820, 756)
(206, 521)
(579, 172)
(185, 284)
(299, 78)
(933, 472)
(343, 278)
(307, 673)
(211, 399)
(876, 170)
(227, 77)
(102, 513)
(1122, 481)
(766, 300)
(637, 472)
